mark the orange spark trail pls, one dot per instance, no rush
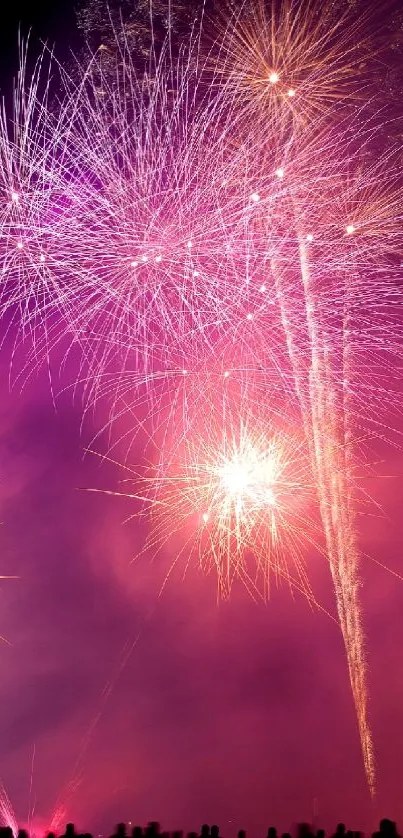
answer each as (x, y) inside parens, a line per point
(333, 470)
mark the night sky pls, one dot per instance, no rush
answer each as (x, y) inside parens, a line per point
(234, 713)
(49, 22)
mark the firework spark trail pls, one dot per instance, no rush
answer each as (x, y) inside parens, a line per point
(356, 659)
(337, 512)
(7, 814)
(325, 425)
(334, 485)
(70, 787)
(31, 804)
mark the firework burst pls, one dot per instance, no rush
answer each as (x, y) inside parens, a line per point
(232, 491)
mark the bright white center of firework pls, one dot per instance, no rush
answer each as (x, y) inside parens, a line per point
(14, 196)
(280, 173)
(255, 197)
(350, 229)
(274, 77)
(291, 92)
(248, 479)
(309, 237)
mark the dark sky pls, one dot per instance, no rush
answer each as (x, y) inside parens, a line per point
(50, 21)
(234, 713)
